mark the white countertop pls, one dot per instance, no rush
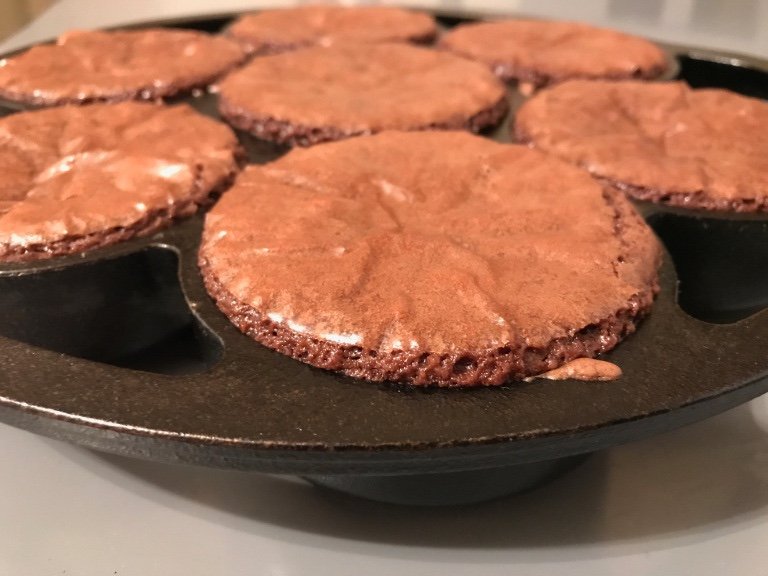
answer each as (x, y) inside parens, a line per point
(690, 502)
(694, 501)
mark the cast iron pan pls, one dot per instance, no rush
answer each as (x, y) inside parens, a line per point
(122, 350)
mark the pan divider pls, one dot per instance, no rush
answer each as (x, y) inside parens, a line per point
(126, 310)
(721, 264)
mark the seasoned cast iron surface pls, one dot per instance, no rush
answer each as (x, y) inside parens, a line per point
(123, 350)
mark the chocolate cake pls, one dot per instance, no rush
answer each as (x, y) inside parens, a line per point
(434, 258)
(273, 31)
(91, 66)
(76, 178)
(538, 52)
(662, 142)
(320, 94)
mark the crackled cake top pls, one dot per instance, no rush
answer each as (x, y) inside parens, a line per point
(541, 52)
(708, 146)
(435, 242)
(73, 171)
(273, 31)
(84, 66)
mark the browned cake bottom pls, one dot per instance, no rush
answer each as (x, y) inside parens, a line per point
(694, 200)
(690, 200)
(147, 93)
(493, 366)
(285, 132)
(272, 48)
(537, 80)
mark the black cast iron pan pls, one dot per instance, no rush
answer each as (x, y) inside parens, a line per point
(122, 350)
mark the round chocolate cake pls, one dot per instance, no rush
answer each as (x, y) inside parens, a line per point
(99, 66)
(662, 142)
(539, 52)
(320, 94)
(81, 177)
(434, 258)
(272, 31)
